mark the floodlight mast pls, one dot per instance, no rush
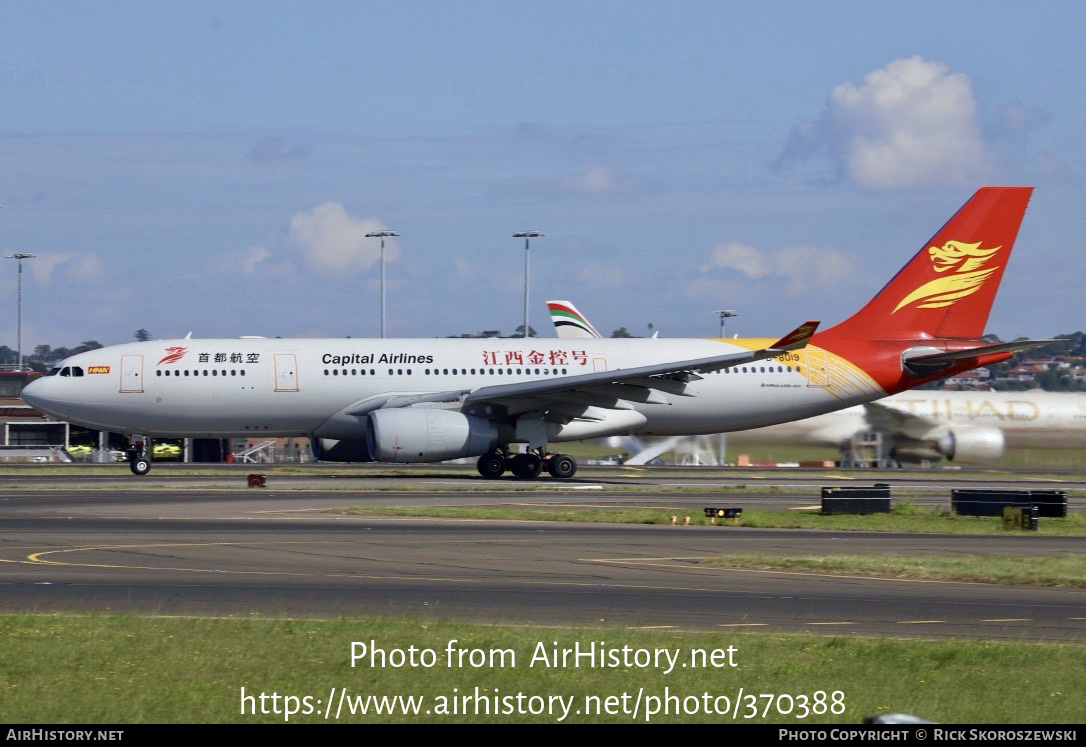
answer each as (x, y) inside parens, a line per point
(382, 235)
(527, 236)
(20, 256)
(725, 314)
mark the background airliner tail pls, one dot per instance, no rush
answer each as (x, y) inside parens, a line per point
(946, 291)
(569, 323)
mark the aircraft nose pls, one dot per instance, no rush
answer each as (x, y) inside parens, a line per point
(37, 395)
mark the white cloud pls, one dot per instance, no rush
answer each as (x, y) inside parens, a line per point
(806, 267)
(736, 256)
(335, 243)
(796, 268)
(1013, 121)
(251, 261)
(910, 124)
(70, 268)
(465, 268)
(600, 273)
(596, 180)
(252, 257)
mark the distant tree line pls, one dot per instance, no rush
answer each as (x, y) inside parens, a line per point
(43, 357)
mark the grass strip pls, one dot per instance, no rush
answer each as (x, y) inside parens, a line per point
(60, 669)
(904, 518)
(1061, 570)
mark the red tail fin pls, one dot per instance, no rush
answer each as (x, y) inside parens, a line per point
(947, 289)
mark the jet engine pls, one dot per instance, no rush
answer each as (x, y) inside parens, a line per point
(332, 450)
(963, 443)
(426, 434)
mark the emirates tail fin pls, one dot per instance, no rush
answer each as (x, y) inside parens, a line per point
(570, 323)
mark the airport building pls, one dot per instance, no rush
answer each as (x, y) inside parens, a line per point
(25, 433)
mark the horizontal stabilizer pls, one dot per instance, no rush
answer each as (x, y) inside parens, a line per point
(957, 355)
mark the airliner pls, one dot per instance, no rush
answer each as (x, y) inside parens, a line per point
(965, 427)
(506, 400)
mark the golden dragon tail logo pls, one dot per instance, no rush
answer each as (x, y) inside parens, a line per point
(967, 263)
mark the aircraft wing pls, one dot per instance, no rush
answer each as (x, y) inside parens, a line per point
(890, 420)
(612, 389)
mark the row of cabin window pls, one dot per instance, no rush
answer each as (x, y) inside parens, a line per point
(185, 372)
(760, 369)
(447, 371)
(77, 371)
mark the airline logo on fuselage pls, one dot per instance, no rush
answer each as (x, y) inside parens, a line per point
(173, 355)
(368, 358)
(97, 369)
(967, 271)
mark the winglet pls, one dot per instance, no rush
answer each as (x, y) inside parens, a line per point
(797, 338)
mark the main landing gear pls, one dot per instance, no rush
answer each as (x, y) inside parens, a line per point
(139, 456)
(526, 466)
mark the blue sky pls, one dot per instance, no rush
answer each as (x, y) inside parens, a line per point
(213, 167)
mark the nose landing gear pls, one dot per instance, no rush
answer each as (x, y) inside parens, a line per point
(139, 456)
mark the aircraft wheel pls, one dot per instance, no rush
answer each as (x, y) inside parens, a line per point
(491, 466)
(527, 466)
(562, 466)
(140, 466)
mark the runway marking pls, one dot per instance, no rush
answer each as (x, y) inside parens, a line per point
(742, 625)
(1007, 620)
(843, 622)
(920, 622)
(36, 559)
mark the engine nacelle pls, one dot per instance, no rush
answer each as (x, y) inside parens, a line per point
(964, 443)
(974, 444)
(426, 434)
(332, 450)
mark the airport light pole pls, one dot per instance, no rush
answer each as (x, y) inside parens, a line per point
(382, 235)
(527, 236)
(20, 256)
(725, 314)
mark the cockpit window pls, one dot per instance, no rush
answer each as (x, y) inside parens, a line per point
(77, 371)
(53, 371)
(65, 371)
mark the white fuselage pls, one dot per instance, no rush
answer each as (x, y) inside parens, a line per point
(319, 387)
(1027, 419)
